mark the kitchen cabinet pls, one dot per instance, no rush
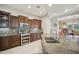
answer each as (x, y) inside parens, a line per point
(39, 24)
(30, 22)
(35, 36)
(36, 23)
(14, 22)
(23, 19)
(7, 42)
(15, 40)
(4, 19)
(33, 23)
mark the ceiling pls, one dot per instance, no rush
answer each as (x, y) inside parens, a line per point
(44, 9)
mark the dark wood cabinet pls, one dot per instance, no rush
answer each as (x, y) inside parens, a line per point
(15, 40)
(33, 23)
(30, 22)
(4, 19)
(36, 23)
(35, 36)
(10, 21)
(14, 21)
(23, 19)
(39, 24)
(7, 42)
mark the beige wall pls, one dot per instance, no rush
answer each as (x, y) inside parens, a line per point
(46, 25)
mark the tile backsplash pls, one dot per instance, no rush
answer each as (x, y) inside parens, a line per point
(7, 31)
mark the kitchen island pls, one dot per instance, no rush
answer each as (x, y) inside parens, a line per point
(62, 47)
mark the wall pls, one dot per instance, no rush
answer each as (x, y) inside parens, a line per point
(48, 23)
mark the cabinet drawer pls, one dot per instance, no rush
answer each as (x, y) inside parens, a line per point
(17, 43)
(15, 38)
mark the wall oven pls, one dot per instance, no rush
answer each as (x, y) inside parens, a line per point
(25, 39)
(25, 34)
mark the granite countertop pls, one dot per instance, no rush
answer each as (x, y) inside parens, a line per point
(9, 35)
(64, 47)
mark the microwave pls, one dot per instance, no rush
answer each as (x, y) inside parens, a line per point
(24, 25)
(24, 28)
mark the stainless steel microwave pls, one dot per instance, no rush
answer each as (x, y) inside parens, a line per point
(24, 25)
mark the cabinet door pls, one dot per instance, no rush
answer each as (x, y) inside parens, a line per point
(23, 19)
(30, 23)
(16, 43)
(4, 22)
(35, 36)
(14, 23)
(5, 42)
(31, 37)
(4, 19)
(36, 23)
(1, 43)
(15, 40)
(39, 24)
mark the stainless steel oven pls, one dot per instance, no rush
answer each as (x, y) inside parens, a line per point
(25, 34)
(25, 39)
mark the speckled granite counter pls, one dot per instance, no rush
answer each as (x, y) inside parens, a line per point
(9, 35)
(64, 47)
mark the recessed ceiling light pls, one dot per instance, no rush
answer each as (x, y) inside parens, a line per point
(66, 10)
(29, 6)
(50, 5)
(40, 12)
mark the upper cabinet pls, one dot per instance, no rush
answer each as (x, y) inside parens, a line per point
(4, 19)
(11, 21)
(39, 24)
(36, 23)
(23, 19)
(30, 22)
(14, 21)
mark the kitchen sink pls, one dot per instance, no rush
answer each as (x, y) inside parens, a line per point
(51, 40)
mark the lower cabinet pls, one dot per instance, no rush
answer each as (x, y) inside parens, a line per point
(35, 36)
(4, 43)
(15, 41)
(7, 42)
